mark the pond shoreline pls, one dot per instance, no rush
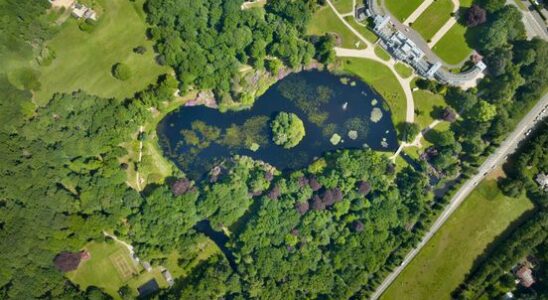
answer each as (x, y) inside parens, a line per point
(199, 137)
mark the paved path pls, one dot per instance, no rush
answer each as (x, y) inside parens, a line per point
(417, 141)
(416, 14)
(508, 146)
(251, 4)
(369, 53)
(447, 26)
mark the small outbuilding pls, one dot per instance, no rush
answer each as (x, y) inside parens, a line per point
(168, 277)
(148, 288)
(525, 275)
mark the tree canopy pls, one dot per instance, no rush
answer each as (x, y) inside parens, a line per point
(287, 130)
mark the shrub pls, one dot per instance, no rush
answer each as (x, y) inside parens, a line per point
(287, 130)
(121, 71)
(140, 49)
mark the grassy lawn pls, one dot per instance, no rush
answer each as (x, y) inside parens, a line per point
(443, 263)
(154, 167)
(425, 104)
(381, 53)
(382, 80)
(362, 29)
(103, 269)
(84, 60)
(205, 248)
(403, 70)
(325, 20)
(453, 47)
(401, 9)
(433, 18)
(343, 6)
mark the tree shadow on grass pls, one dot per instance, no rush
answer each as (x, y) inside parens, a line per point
(497, 241)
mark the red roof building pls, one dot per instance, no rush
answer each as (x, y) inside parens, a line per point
(525, 276)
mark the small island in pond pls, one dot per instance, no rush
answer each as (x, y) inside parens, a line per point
(287, 130)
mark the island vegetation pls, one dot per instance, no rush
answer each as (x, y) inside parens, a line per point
(287, 130)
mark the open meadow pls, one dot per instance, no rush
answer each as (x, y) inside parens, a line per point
(402, 9)
(84, 59)
(444, 262)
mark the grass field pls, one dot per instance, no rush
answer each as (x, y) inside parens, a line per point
(362, 29)
(382, 80)
(325, 20)
(382, 53)
(453, 47)
(343, 6)
(205, 249)
(401, 9)
(425, 103)
(443, 263)
(111, 267)
(84, 60)
(403, 70)
(433, 18)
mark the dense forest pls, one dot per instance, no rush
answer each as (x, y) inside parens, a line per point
(492, 277)
(208, 42)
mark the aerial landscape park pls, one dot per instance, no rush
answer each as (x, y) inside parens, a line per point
(274, 149)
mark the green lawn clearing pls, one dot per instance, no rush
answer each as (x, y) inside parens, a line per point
(111, 267)
(403, 70)
(326, 21)
(426, 104)
(84, 59)
(204, 248)
(344, 6)
(443, 263)
(382, 80)
(255, 4)
(433, 18)
(367, 33)
(453, 47)
(401, 9)
(381, 53)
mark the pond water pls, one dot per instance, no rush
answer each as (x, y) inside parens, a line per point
(332, 108)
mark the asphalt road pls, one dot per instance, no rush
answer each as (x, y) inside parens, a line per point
(534, 24)
(497, 158)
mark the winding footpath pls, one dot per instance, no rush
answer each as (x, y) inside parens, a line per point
(447, 26)
(417, 141)
(497, 158)
(369, 53)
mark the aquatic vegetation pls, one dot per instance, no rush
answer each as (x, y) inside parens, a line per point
(376, 115)
(199, 138)
(308, 97)
(335, 139)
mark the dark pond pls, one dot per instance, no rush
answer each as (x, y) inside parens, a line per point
(197, 138)
(218, 237)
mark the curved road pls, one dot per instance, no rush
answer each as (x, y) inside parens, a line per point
(497, 158)
(369, 53)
